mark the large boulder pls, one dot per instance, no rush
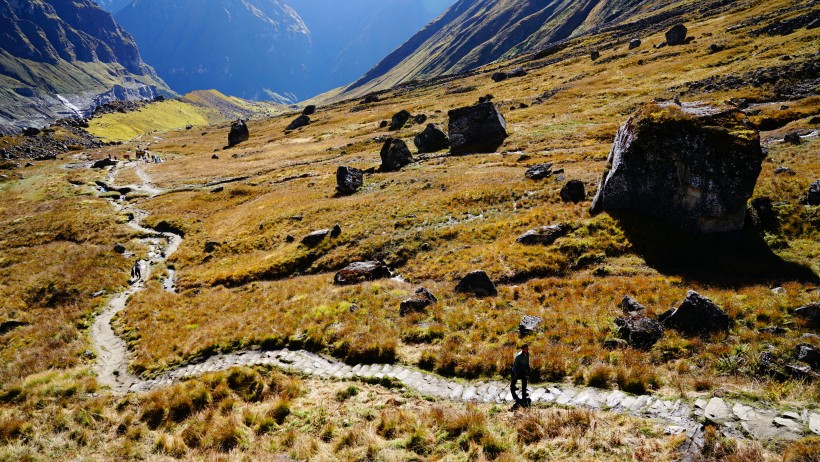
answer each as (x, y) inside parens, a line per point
(539, 172)
(639, 331)
(692, 165)
(239, 133)
(545, 235)
(477, 283)
(355, 273)
(813, 197)
(697, 315)
(395, 154)
(574, 191)
(432, 139)
(348, 180)
(529, 324)
(811, 313)
(476, 129)
(102, 163)
(298, 122)
(315, 238)
(808, 354)
(310, 109)
(418, 302)
(676, 35)
(399, 119)
(634, 43)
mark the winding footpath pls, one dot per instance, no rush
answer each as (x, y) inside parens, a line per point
(735, 419)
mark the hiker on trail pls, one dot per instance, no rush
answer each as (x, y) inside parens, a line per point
(520, 371)
(136, 271)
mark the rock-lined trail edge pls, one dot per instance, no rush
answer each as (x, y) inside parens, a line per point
(735, 419)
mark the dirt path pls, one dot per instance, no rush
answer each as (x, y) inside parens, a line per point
(734, 418)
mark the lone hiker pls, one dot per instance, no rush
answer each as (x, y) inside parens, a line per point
(520, 371)
(136, 271)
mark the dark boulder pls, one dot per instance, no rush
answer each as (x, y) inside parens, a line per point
(370, 98)
(355, 273)
(239, 133)
(676, 35)
(477, 283)
(784, 171)
(813, 196)
(573, 191)
(299, 122)
(399, 119)
(432, 139)
(420, 119)
(310, 109)
(8, 326)
(348, 180)
(119, 248)
(102, 163)
(594, 54)
(631, 307)
(762, 215)
(697, 315)
(808, 354)
(476, 129)
(810, 313)
(634, 43)
(31, 131)
(418, 302)
(529, 324)
(499, 76)
(539, 172)
(383, 124)
(544, 235)
(792, 138)
(395, 154)
(336, 231)
(486, 98)
(692, 165)
(639, 331)
(315, 238)
(517, 72)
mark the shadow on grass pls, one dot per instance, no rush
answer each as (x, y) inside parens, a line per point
(733, 259)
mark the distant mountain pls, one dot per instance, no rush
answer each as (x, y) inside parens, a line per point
(270, 49)
(472, 33)
(64, 58)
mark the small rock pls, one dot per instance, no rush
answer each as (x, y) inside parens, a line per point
(418, 302)
(336, 231)
(594, 54)
(298, 122)
(792, 138)
(420, 119)
(383, 124)
(348, 180)
(615, 344)
(529, 324)
(814, 423)
(102, 163)
(486, 98)
(779, 291)
(289, 239)
(399, 119)
(476, 129)
(634, 43)
(718, 412)
(119, 248)
(239, 133)
(787, 423)
(676, 35)
(808, 354)
(499, 76)
(310, 109)
(210, 246)
(639, 331)
(813, 196)
(432, 139)
(631, 307)
(517, 72)
(810, 313)
(539, 172)
(697, 315)
(477, 283)
(395, 154)
(215, 157)
(8, 326)
(545, 235)
(355, 273)
(573, 191)
(218, 189)
(772, 330)
(315, 238)
(784, 171)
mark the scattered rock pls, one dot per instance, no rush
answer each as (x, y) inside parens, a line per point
(8, 326)
(573, 191)
(717, 411)
(631, 307)
(399, 119)
(477, 283)
(336, 231)
(615, 344)
(486, 98)
(813, 196)
(355, 273)
(239, 133)
(810, 313)
(210, 246)
(432, 139)
(692, 165)
(218, 189)
(119, 248)
(290, 239)
(315, 238)
(310, 109)
(715, 48)
(215, 157)
(784, 171)
(395, 154)
(299, 122)
(420, 119)
(539, 172)
(499, 76)
(639, 331)
(792, 138)
(772, 330)
(529, 324)
(476, 129)
(31, 131)
(676, 35)
(383, 124)
(545, 235)
(634, 43)
(517, 72)
(814, 423)
(102, 163)
(697, 315)
(371, 98)
(418, 302)
(348, 180)
(808, 354)
(594, 54)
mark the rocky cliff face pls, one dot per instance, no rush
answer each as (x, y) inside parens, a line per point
(62, 58)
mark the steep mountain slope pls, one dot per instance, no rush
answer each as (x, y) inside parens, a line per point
(113, 6)
(473, 33)
(64, 58)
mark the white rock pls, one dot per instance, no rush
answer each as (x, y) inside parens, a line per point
(814, 423)
(717, 411)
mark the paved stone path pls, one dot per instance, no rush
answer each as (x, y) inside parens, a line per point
(735, 419)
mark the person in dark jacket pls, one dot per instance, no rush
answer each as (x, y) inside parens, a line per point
(520, 371)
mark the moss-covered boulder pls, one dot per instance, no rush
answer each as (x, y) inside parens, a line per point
(692, 165)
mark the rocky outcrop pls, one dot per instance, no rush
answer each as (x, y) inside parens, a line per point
(693, 165)
(358, 272)
(639, 331)
(539, 172)
(239, 133)
(545, 235)
(395, 154)
(478, 284)
(419, 302)
(697, 315)
(476, 129)
(348, 180)
(432, 139)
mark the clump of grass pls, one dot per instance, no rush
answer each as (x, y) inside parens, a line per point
(279, 411)
(599, 376)
(224, 434)
(247, 383)
(804, 450)
(637, 379)
(716, 448)
(347, 393)
(170, 445)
